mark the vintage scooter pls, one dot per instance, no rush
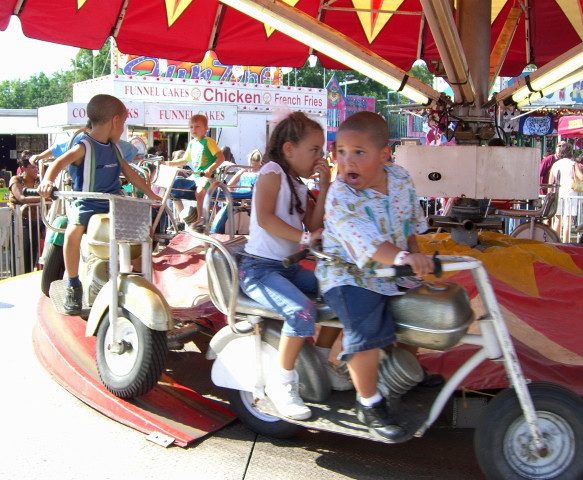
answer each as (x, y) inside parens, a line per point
(131, 346)
(530, 430)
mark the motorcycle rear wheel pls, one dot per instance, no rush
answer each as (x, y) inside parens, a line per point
(243, 404)
(53, 268)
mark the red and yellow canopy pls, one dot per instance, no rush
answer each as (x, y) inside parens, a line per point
(396, 30)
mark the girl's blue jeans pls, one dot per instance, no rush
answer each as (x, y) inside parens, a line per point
(282, 290)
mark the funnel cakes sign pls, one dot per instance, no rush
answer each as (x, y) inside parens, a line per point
(167, 101)
(243, 96)
(162, 114)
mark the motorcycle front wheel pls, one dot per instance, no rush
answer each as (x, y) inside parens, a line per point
(503, 442)
(136, 369)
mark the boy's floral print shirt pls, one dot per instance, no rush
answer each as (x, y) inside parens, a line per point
(358, 221)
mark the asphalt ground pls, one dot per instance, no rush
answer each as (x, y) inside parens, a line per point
(48, 433)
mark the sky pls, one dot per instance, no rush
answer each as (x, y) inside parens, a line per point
(23, 57)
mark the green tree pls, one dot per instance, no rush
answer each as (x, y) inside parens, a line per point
(86, 65)
(317, 77)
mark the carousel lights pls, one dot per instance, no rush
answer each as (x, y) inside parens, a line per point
(307, 30)
(552, 73)
(564, 82)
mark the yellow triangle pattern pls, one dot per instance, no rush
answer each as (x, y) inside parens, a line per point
(80, 4)
(572, 11)
(175, 8)
(497, 6)
(269, 29)
(373, 22)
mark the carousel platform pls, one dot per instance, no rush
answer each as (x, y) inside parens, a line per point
(537, 285)
(174, 412)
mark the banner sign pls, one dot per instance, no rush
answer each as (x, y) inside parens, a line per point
(167, 114)
(536, 125)
(75, 113)
(244, 96)
(209, 69)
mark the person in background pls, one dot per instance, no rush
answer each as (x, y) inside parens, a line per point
(159, 149)
(5, 174)
(228, 154)
(545, 167)
(227, 171)
(203, 156)
(244, 179)
(562, 173)
(30, 224)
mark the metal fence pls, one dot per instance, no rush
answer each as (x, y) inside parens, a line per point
(6, 242)
(571, 218)
(21, 240)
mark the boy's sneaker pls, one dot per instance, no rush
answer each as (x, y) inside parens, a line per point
(73, 303)
(286, 398)
(188, 215)
(379, 422)
(339, 380)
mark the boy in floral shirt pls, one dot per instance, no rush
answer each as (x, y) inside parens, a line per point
(372, 217)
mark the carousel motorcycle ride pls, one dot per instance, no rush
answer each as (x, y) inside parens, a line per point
(131, 346)
(531, 430)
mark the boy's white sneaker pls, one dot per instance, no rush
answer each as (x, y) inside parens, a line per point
(286, 398)
(339, 381)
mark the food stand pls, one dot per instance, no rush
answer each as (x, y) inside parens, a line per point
(239, 114)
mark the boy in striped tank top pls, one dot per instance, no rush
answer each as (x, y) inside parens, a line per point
(95, 165)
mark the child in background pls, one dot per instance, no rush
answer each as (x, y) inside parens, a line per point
(372, 216)
(244, 179)
(280, 210)
(203, 156)
(94, 164)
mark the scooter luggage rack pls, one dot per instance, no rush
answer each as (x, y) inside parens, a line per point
(131, 223)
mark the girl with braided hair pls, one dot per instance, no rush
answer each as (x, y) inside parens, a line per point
(282, 219)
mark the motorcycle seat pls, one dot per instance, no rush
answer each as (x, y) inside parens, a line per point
(223, 274)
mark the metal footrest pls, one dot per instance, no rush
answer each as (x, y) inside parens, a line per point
(337, 414)
(57, 293)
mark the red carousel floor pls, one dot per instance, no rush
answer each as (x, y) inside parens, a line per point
(173, 409)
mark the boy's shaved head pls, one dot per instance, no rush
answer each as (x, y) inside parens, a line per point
(368, 122)
(102, 108)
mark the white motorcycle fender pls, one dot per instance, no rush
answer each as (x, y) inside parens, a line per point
(139, 297)
(235, 365)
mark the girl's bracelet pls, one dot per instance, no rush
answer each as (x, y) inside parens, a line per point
(305, 240)
(400, 257)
